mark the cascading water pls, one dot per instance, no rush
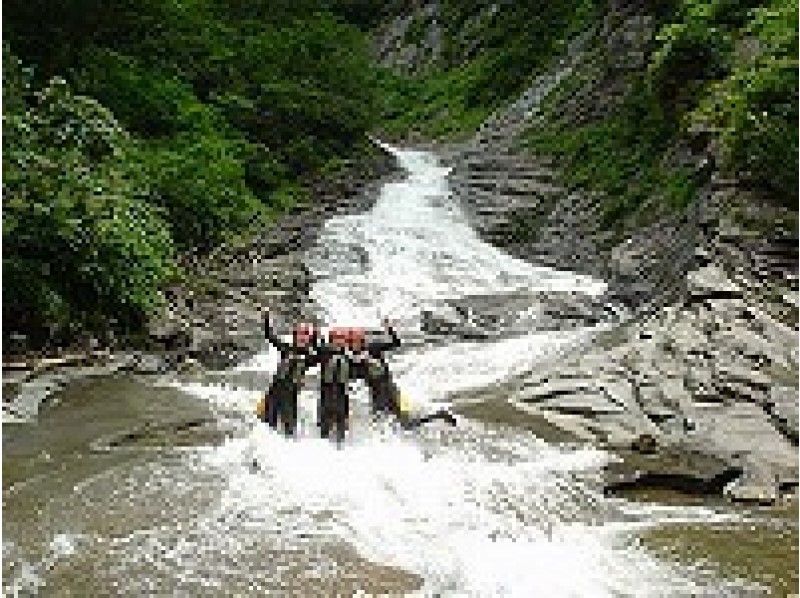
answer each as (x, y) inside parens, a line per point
(477, 510)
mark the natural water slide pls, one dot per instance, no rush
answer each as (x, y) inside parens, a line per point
(479, 509)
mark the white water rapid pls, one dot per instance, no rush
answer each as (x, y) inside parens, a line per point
(475, 510)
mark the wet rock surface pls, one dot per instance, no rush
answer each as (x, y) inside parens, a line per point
(502, 315)
(675, 468)
(190, 431)
(697, 378)
(703, 355)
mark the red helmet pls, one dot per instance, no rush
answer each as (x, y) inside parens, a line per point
(350, 338)
(303, 334)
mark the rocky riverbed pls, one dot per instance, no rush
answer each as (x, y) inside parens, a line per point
(179, 488)
(699, 395)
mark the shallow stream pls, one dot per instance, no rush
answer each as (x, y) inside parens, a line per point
(205, 500)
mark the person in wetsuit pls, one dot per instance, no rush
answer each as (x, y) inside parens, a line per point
(334, 407)
(384, 394)
(296, 358)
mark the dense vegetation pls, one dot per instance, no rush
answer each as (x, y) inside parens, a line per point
(490, 50)
(135, 131)
(720, 79)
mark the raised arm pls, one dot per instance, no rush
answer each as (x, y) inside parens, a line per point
(269, 333)
(392, 342)
(395, 342)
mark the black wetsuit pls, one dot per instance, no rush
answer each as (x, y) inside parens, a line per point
(334, 404)
(282, 395)
(384, 394)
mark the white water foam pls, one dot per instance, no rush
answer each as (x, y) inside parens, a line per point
(420, 250)
(475, 510)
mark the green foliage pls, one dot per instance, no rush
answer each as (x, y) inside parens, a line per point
(436, 105)
(200, 181)
(264, 171)
(620, 156)
(53, 35)
(365, 14)
(147, 101)
(288, 196)
(80, 238)
(491, 51)
(760, 139)
(722, 74)
(291, 76)
(192, 123)
(754, 109)
(690, 54)
(521, 41)
(311, 88)
(529, 32)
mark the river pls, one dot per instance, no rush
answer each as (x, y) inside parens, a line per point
(478, 509)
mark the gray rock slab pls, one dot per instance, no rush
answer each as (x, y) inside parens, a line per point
(744, 431)
(711, 280)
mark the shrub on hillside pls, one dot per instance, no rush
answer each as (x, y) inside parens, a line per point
(199, 180)
(80, 238)
(147, 101)
(754, 109)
